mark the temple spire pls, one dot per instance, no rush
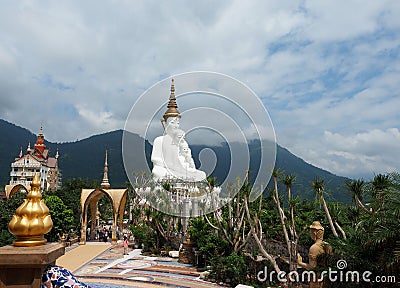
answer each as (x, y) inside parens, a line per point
(40, 145)
(104, 183)
(172, 110)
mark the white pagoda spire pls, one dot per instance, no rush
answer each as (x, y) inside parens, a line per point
(104, 183)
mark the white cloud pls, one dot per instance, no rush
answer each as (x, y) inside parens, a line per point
(336, 21)
(318, 65)
(369, 152)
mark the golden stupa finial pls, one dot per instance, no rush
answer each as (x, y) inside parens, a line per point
(172, 110)
(32, 219)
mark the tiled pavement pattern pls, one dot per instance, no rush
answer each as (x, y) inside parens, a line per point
(112, 269)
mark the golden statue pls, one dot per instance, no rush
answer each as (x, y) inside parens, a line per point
(32, 219)
(318, 248)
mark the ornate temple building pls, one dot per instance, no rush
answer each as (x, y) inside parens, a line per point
(36, 160)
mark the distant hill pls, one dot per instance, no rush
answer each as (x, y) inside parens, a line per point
(12, 139)
(85, 159)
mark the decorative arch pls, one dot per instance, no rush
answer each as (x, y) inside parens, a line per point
(91, 197)
(13, 188)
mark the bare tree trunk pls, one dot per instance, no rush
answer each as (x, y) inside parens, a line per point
(361, 205)
(340, 229)
(233, 226)
(328, 215)
(264, 252)
(281, 212)
(293, 244)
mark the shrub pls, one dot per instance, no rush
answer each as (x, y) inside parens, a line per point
(145, 235)
(231, 269)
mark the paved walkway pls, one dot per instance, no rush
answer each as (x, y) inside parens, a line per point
(103, 265)
(78, 255)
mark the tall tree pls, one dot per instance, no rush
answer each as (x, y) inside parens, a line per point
(63, 218)
(319, 187)
(356, 189)
(231, 221)
(294, 239)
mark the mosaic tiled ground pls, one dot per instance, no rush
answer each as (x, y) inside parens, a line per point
(113, 269)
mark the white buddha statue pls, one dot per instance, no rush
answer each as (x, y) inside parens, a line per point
(171, 155)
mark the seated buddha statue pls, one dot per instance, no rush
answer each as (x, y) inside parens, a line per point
(171, 155)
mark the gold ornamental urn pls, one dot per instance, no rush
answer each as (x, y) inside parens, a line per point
(32, 219)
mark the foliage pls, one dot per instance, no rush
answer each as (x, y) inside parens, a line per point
(208, 241)
(144, 235)
(7, 210)
(230, 269)
(63, 218)
(70, 193)
(374, 232)
(166, 186)
(6, 238)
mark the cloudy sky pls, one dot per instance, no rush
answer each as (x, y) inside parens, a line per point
(327, 71)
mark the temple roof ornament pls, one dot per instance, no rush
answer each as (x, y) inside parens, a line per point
(104, 183)
(40, 146)
(172, 110)
(32, 219)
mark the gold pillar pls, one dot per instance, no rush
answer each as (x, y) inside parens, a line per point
(94, 210)
(114, 228)
(83, 227)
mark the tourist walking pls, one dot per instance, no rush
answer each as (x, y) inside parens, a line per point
(100, 235)
(126, 245)
(105, 235)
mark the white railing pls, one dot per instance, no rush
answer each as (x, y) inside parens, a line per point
(30, 165)
(22, 173)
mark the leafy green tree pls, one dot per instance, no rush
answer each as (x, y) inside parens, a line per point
(374, 238)
(70, 193)
(7, 210)
(63, 218)
(208, 240)
(319, 188)
(144, 235)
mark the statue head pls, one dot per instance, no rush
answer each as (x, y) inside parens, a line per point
(172, 126)
(316, 231)
(179, 137)
(187, 152)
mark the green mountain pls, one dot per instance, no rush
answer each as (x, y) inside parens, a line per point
(85, 159)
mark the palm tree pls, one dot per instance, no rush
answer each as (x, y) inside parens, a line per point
(380, 183)
(288, 181)
(356, 189)
(383, 238)
(335, 212)
(282, 216)
(319, 186)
